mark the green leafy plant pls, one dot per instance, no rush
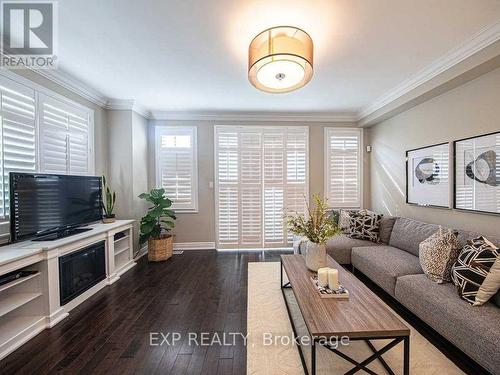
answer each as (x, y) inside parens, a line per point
(159, 219)
(108, 203)
(318, 226)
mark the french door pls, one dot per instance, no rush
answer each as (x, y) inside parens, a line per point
(260, 173)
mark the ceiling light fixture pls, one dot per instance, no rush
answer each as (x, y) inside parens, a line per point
(280, 59)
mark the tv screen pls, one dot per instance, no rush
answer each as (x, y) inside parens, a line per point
(43, 203)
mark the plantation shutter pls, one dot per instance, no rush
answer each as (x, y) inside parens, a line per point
(177, 165)
(65, 138)
(261, 172)
(17, 137)
(343, 167)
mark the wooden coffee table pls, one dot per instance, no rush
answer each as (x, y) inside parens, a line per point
(362, 317)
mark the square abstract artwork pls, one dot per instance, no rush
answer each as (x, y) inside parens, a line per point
(428, 176)
(477, 173)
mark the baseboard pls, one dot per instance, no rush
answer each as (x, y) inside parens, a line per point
(142, 251)
(180, 246)
(194, 245)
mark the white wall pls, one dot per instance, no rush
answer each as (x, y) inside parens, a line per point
(468, 110)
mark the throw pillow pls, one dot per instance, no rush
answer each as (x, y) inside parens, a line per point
(438, 253)
(490, 285)
(386, 225)
(365, 225)
(345, 220)
(472, 267)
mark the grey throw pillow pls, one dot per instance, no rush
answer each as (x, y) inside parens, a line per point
(386, 225)
(438, 253)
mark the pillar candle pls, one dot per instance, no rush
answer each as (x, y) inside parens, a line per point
(323, 277)
(333, 279)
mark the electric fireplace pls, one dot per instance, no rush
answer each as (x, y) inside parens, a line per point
(80, 271)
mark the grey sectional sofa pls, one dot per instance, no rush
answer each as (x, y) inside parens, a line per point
(393, 265)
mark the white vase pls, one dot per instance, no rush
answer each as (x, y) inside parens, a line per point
(315, 256)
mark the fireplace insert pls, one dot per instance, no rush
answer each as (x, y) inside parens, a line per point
(80, 271)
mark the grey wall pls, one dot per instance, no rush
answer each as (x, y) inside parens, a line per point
(128, 163)
(468, 110)
(200, 227)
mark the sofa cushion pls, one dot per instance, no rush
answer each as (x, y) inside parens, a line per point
(383, 264)
(465, 236)
(386, 225)
(408, 233)
(475, 330)
(339, 247)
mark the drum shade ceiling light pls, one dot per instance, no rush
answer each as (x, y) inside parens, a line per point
(280, 59)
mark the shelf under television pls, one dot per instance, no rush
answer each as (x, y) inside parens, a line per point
(14, 301)
(18, 281)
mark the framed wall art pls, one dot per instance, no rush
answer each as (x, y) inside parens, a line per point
(477, 173)
(428, 181)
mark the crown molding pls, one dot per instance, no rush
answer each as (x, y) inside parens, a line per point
(127, 105)
(72, 84)
(254, 116)
(476, 43)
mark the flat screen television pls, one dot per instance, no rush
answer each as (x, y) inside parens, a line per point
(45, 205)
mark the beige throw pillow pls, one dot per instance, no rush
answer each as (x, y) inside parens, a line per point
(438, 253)
(490, 285)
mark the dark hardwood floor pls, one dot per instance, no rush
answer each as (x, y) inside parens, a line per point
(198, 291)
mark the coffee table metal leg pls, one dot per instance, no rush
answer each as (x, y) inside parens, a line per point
(406, 364)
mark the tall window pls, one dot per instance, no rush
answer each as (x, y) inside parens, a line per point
(65, 135)
(40, 133)
(343, 167)
(176, 166)
(261, 172)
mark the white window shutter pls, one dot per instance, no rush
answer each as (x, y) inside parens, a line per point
(261, 172)
(65, 138)
(177, 166)
(250, 188)
(343, 167)
(17, 135)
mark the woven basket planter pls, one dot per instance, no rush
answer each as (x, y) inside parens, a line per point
(160, 249)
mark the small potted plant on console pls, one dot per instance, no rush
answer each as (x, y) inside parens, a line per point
(108, 203)
(156, 225)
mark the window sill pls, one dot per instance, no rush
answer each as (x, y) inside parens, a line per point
(185, 211)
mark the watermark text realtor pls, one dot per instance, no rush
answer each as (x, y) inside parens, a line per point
(29, 34)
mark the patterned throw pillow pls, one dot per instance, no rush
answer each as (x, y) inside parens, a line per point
(364, 225)
(345, 220)
(438, 253)
(472, 267)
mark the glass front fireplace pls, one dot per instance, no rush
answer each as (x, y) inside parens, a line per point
(80, 271)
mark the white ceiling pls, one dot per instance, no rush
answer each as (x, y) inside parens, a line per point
(188, 55)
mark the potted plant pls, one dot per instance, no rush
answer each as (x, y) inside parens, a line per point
(317, 227)
(156, 225)
(108, 203)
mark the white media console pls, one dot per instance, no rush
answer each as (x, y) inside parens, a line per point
(31, 304)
